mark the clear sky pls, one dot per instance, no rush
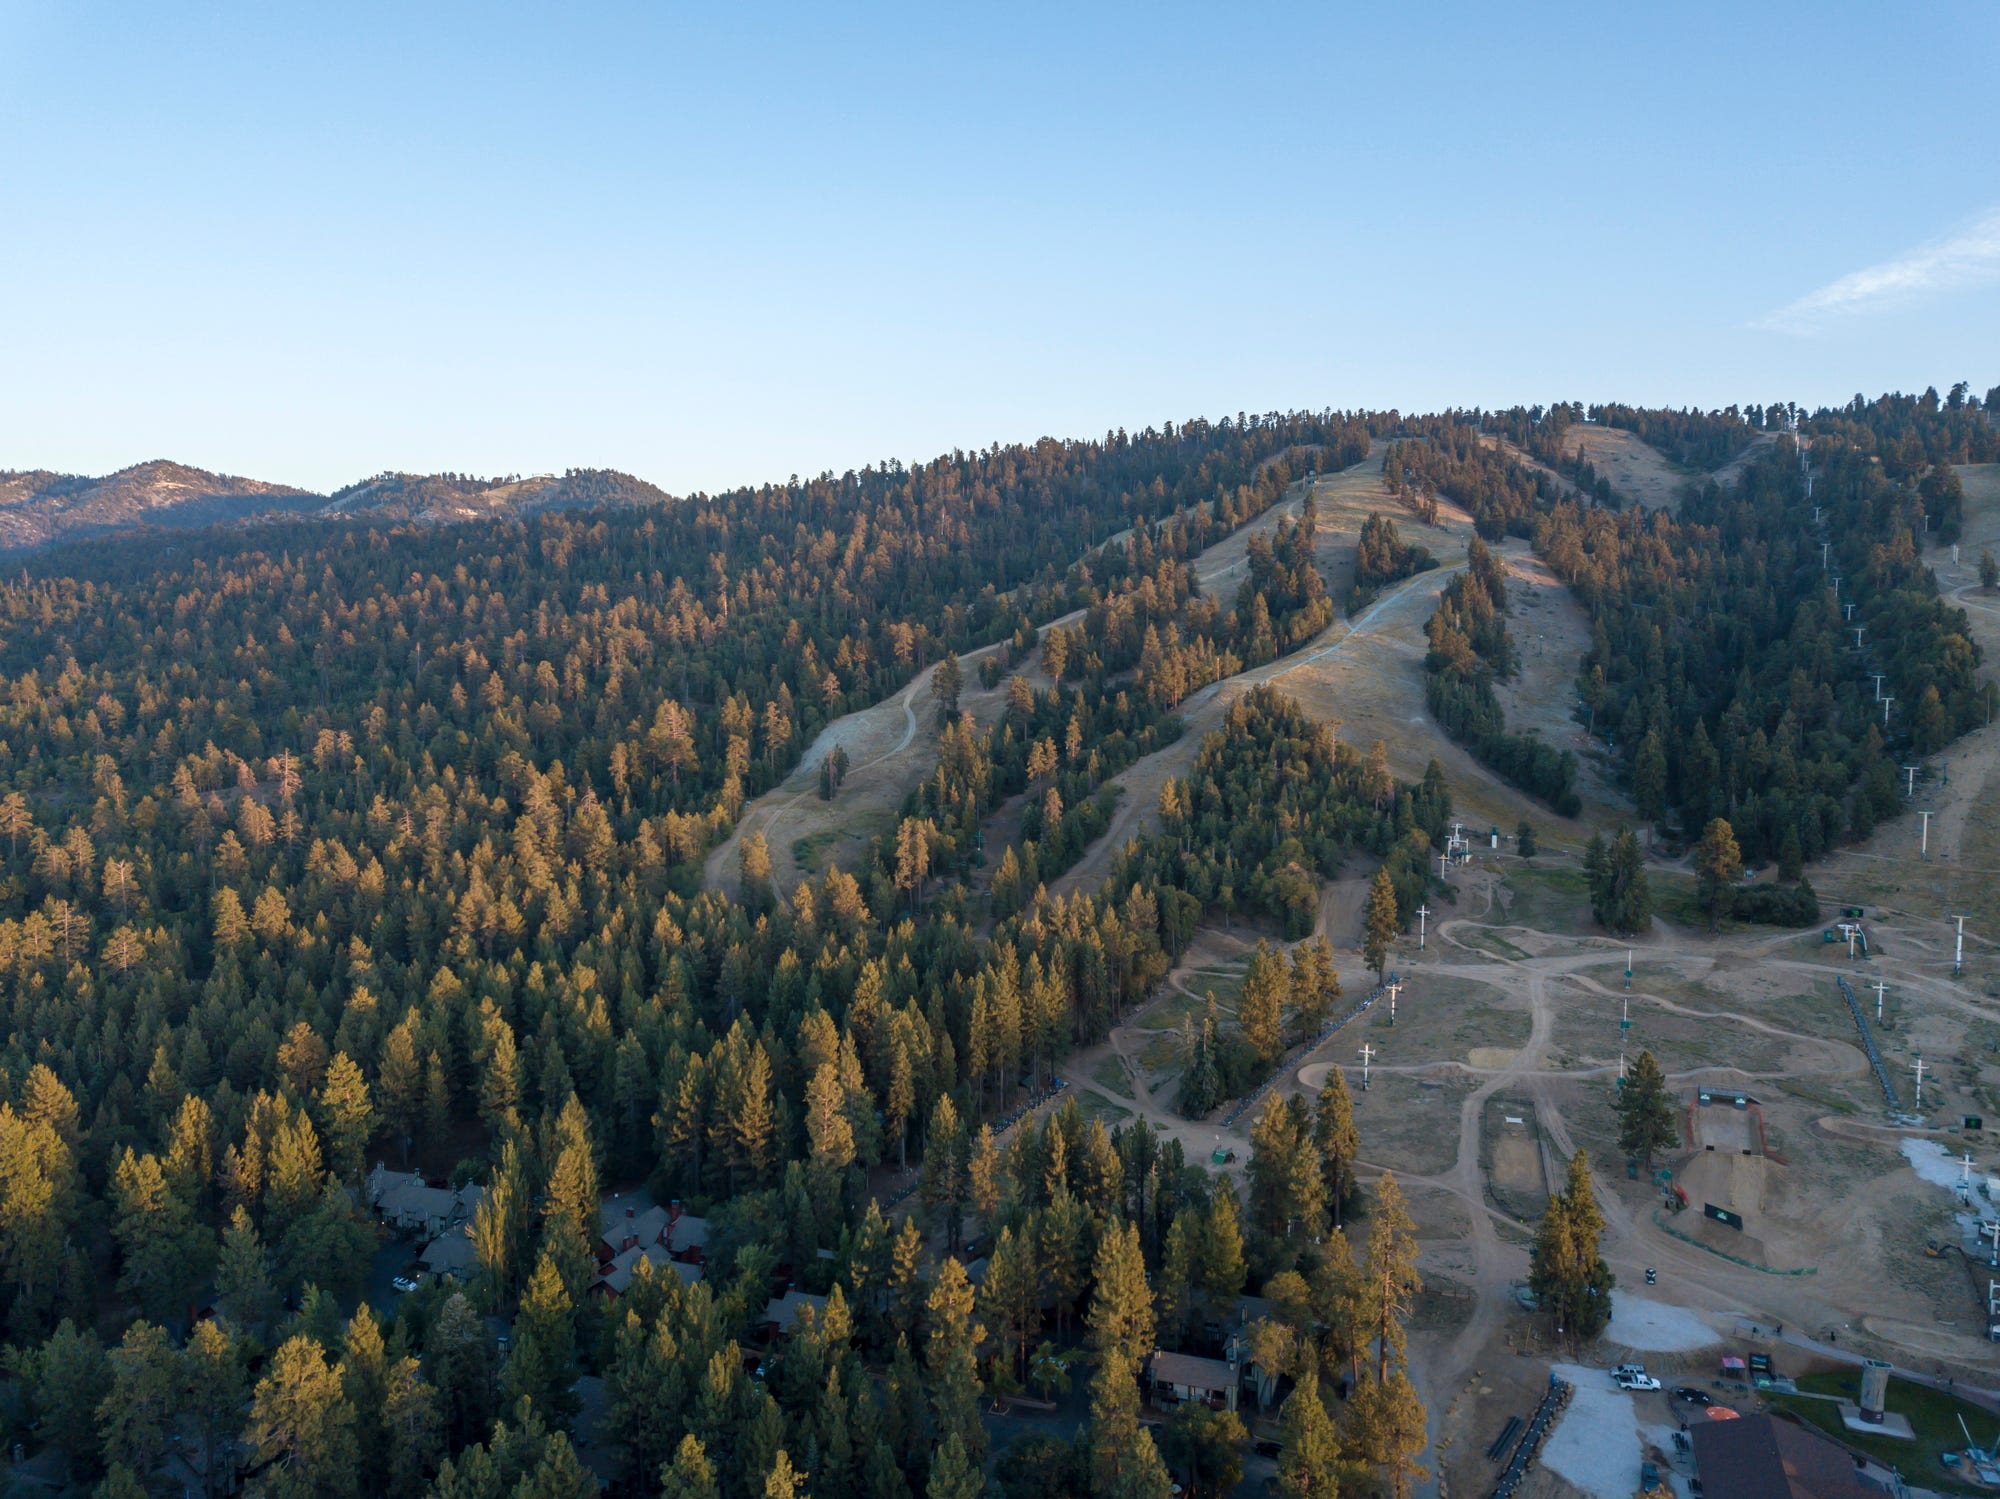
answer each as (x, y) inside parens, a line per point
(724, 242)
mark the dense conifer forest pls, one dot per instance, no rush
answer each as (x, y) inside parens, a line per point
(333, 846)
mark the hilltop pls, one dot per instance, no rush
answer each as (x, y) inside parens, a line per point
(39, 508)
(445, 498)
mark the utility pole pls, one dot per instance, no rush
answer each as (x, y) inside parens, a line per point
(1992, 1231)
(1885, 710)
(1395, 988)
(1624, 1025)
(1423, 917)
(1965, 1173)
(1367, 1054)
(1920, 1082)
(1850, 614)
(1852, 932)
(1880, 989)
(1444, 863)
(1878, 676)
(1824, 548)
(1858, 629)
(1836, 585)
(1910, 780)
(1924, 849)
(1958, 950)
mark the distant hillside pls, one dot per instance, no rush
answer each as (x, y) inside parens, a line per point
(39, 507)
(444, 498)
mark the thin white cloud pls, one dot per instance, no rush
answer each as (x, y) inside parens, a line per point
(1968, 257)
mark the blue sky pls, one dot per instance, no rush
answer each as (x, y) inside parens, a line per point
(721, 243)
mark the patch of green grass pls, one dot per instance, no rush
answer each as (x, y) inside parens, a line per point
(1175, 1007)
(1161, 1053)
(1494, 942)
(1110, 1073)
(1552, 897)
(1096, 1106)
(807, 850)
(1932, 1414)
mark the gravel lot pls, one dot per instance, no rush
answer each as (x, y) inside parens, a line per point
(1655, 1327)
(1596, 1443)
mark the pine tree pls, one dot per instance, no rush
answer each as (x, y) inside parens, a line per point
(139, 1414)
(1121, 1338)
(1388, 1425)
(1381, 924)
(1648, 1120)
(1309, 1447)
(346, 1116)
(951, 1363)
(541, 1363)
(1566, 1272)
(166, 1254)
(1121, 1306)
(1649, 778)
(459, 1362)
(1718, 865)
(570, 1199)
(214, 1390)
(243, 1277)
(301, 1431)
(1392, 1282)
(1258, 1008)
(1010, 1296)
(954, 1474)
(1337, 1141)
(943, 1185)
(1222, 1268)
(1315, 985)
(688, 1474)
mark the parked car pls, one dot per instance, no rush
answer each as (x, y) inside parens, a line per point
(1623, 1369)
(1637, 1382)
(404, 1283)
(1693, 1396)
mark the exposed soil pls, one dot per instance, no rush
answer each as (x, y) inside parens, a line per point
(1636, 469)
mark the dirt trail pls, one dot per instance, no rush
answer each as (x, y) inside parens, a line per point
(1139, 783)
(889, 753)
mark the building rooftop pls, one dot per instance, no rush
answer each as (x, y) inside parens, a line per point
(1187, 1371)
(450, 1253)
(1759, 1458)
(617, 1276)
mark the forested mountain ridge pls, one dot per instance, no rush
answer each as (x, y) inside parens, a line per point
(376, 840)
(442, 498)
(38, 507)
